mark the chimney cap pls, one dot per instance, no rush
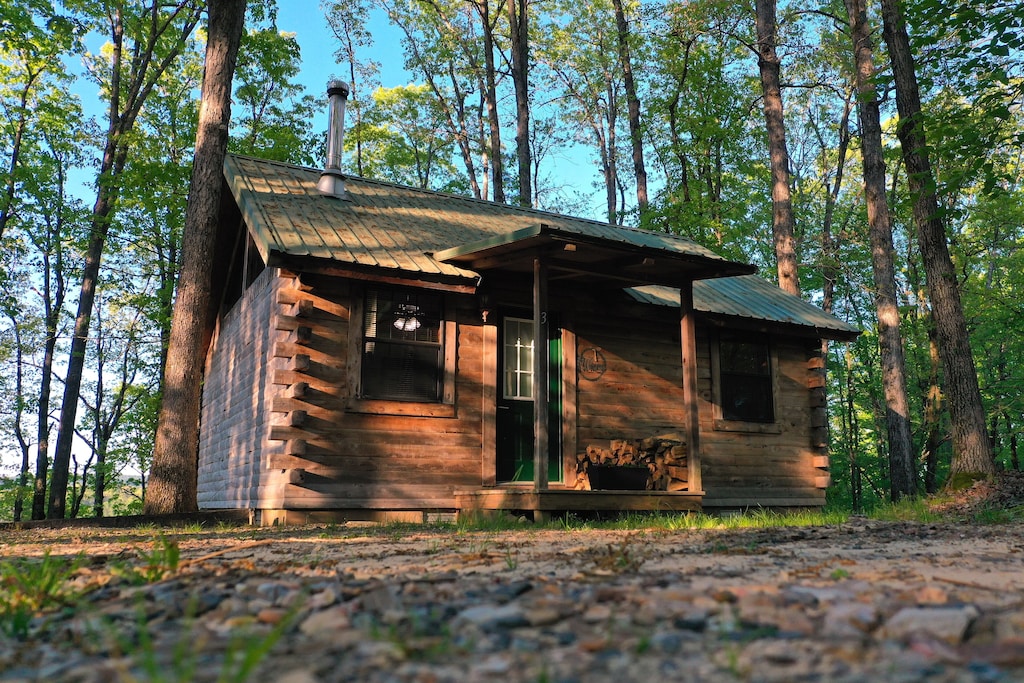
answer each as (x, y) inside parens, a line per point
(337, 87)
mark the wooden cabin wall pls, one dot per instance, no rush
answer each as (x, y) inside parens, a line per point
(329, 450)
(640, 393)
(777, 468)
(640, 396)
(236, 393)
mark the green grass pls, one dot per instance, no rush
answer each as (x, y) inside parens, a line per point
(30, 587)
(909, 510)
(754, 518)
(157, 564)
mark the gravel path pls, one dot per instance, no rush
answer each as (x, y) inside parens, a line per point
(862, 601)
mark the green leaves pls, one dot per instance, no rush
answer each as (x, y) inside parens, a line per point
(272, 113)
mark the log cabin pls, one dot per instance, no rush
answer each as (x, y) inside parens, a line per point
(385, 352)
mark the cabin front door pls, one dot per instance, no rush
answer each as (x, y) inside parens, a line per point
(516, 390)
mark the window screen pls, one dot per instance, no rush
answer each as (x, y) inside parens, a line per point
(745, 375)
(402, 350)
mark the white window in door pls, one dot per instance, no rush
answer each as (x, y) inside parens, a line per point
(518, 359)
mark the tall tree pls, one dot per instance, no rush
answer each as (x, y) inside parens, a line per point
(902, 469)
(581, 63)
(490, 96)
(972, 453)
(632, 104)
(519, 46)
(172, 483)
(783, 224)
(273, 110)
(145, 40)
(428, 39)
(403, 140)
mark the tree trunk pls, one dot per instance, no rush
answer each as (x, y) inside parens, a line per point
(972, 457)
(518, 17)
(53, 303)
(633, 106)
(902, 469)
(783, 224)
(491, 98)
(19, 403)
(113, 163)
(852, 439)
(932, 413)
(172, 485)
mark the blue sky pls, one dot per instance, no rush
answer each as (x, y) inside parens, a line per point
(306, 20)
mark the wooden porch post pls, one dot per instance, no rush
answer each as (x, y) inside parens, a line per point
(688, 342)
(540, 374)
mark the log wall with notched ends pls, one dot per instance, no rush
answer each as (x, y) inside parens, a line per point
(365, 453)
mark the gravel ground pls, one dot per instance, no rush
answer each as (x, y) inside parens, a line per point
(861, 601)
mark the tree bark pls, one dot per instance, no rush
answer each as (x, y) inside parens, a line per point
(54, 289)
(491, 99)
(902, 468)
(633, 107)
(972, 456)
(518, 17)
(172, 482)
(932, 413)
(783, 224)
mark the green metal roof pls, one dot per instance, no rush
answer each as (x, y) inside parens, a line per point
(420, 233)
(754, 298)
(400, 228)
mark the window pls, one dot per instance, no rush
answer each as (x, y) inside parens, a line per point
(518, 384)
(402, 354)
(745, 381)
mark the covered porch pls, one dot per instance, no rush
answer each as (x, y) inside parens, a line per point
(556, 261)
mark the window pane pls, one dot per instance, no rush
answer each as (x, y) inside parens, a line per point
(745, 376)
(748, 358)
(747, 399)
(403, 315)
(526, 385)
(402, 356)
(518, 358)
(402, 372)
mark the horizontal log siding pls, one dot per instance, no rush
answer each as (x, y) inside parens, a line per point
(236, 394)
(373, 456)
(640, 394)
(744, 469)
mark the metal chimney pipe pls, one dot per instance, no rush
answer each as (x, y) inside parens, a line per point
(332, 182)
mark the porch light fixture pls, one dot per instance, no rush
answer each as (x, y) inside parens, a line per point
(407, 318)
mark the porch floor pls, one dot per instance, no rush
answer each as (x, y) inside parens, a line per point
(569, 500)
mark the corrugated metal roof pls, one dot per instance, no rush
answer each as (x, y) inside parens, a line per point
(391, 226)
(750, 296)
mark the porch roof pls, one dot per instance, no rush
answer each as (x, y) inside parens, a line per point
(602, 252)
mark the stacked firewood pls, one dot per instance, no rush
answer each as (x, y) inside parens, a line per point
(665, 460)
